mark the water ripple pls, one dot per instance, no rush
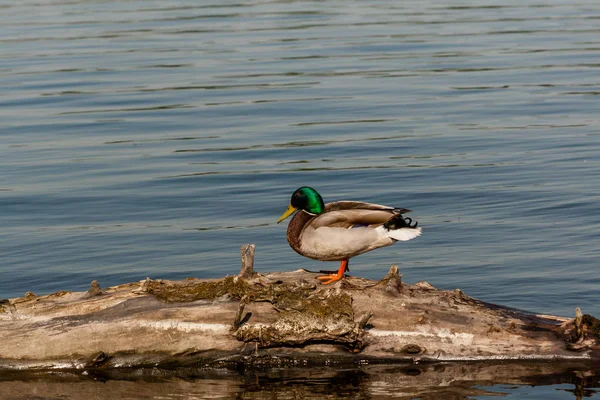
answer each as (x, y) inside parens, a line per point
(153, 138)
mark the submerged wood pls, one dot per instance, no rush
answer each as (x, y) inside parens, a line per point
(282, 318)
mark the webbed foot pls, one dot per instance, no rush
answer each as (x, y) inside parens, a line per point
(331, 278)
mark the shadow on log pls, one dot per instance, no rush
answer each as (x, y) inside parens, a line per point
(277, 319)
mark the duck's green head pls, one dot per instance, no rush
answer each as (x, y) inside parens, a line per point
(307, 199)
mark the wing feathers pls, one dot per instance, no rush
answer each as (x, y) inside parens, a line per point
(348, 218)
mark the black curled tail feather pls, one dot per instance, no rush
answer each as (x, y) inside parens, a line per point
(398, 222)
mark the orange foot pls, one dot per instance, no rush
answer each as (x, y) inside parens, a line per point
(330, 278)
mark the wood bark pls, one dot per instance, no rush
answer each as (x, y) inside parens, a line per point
(282, 318)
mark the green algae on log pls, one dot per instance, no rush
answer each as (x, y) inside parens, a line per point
(274, 319)
(304, 314)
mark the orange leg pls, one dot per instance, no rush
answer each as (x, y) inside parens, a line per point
(330, 278)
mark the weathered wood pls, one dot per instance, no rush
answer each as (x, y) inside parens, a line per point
(286, 316)
(247, 255)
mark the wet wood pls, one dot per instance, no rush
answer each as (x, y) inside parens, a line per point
(274, 319)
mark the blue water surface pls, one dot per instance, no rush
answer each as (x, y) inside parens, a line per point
(144, 138)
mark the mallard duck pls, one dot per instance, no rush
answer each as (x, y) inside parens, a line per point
(341, 230)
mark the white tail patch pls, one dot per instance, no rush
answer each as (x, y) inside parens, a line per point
(404, 234)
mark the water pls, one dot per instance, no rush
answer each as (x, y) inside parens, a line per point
(366, 382)
(154, 138)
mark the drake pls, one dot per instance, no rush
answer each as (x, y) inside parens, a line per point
(340, 230)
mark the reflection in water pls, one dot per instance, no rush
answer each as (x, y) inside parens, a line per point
(440, 381)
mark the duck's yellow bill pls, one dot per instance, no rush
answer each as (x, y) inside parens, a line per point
(287, 213)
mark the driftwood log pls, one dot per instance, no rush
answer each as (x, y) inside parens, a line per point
(275, 319)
